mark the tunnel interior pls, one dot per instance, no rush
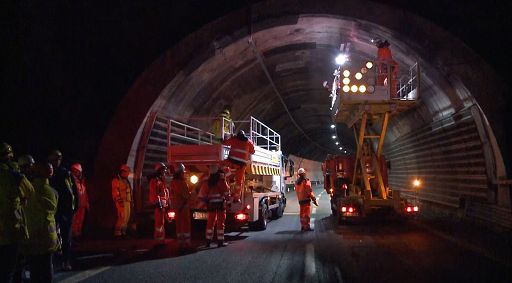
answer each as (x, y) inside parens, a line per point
(270, 62)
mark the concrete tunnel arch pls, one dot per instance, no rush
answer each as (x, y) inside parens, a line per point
(215, 65)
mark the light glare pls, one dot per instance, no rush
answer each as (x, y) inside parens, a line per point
(341, 59)
(369, 65)
(358, 76)
(346, 73)
(353, 88)
(346, 81)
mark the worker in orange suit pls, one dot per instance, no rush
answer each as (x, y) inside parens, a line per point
(159, 196)
(304, 196)
(83, 199)
(180, 200)
(122, 196)
(214, 194)
(385, 64)
(239, 157)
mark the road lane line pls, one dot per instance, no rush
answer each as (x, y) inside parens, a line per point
(309, 264)
(94, 256)
(85, 274)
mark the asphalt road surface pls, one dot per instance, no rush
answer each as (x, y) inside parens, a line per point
(370, 252)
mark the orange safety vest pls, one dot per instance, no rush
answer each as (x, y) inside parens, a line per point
(121, 190)
(217, 193)
(180, 193)
(304, 191)
(157, 188)
(240, 150)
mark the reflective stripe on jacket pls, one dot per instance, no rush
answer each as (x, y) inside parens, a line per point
(240, 150)
(158, 188)
(304, 191)
(121, 190)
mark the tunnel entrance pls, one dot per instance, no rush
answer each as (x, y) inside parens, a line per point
(273, 67)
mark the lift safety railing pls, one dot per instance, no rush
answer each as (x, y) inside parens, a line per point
(409, 83)
(262, 135)
(181, 133)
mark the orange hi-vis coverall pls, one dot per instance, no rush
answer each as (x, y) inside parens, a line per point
(385, 64)
(215, 198)
(122, 196)
(83, 206)
(238, 158)
(159, 195)
(180, 195)
(304, 195)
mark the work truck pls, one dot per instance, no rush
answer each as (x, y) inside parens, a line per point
(202, 152)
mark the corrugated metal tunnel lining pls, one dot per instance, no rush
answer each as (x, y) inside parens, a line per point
(213, 68)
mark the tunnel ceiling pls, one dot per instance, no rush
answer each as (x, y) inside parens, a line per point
(299, 57)
(284, 58)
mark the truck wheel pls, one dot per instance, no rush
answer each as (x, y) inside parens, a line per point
(261, 223)
(278, 211)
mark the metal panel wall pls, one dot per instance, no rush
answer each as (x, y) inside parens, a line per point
(447, 156)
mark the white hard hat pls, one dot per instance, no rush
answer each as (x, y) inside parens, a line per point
(301, 171)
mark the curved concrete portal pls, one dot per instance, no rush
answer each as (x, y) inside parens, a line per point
(270, 62)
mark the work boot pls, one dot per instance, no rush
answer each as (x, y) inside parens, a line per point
(208, 243)
(221, 244)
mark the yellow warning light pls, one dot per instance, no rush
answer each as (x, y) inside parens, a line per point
(364, 70)
(194, 179)
(353, 88)
(346, 73)
(362, 88)
(416, 183)
(369, 65)
(358, 76)
(346, 88)
(346, 81)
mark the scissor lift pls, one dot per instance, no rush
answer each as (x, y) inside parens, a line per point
(364, 112)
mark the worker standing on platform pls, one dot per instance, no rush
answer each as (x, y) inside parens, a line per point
(387, 67)
(122, 196)
(239, 156)
(83, 205)
(15, 189)
(68, 204)
(221, 127)
(159, 196)
(304, 196)
(213, 194)
(181, 195)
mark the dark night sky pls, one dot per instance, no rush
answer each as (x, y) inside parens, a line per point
(66, 66)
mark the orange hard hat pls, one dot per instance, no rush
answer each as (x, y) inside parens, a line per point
(78, 167)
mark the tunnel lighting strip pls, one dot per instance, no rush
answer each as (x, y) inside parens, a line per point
(267, 74)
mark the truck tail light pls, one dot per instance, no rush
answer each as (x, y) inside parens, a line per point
(348, 209)
(410, 209)
(171, 215)
(248, 207)
(241, 216)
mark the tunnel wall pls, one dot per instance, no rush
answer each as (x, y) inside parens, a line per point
(448, 157)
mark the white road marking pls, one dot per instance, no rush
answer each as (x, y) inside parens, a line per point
(94, 256)
(309, 264)
(85, 274)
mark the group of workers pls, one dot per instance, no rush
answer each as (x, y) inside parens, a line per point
(176, 198)
(42, 206)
